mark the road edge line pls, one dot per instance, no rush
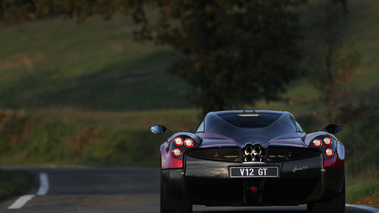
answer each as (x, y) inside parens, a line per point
(21, 201)
(44, 184)
(43, 189)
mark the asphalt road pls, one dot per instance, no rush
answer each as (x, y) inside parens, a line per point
(128, 190)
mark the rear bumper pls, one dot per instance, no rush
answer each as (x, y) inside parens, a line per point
(207, 182)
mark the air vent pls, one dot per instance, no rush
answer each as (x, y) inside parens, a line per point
(275, 154)
(219, 154)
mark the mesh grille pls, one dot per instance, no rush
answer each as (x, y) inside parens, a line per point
(221, 154)
(286, 154)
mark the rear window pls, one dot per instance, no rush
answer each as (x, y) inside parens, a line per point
(250, 121)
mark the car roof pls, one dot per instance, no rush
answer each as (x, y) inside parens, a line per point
(250, 111)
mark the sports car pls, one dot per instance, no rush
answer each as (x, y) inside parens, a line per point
(252, 158)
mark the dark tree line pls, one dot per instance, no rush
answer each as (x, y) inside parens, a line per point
(233, 53)
(13, 11)
(331, 62)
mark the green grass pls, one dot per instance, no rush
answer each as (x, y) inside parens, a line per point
(95, 65)
(68, 136)
(367, 192)
(13, 183)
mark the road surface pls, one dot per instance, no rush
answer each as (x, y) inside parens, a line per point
(126, 190)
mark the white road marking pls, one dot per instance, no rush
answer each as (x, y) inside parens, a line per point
(20, 202)
(44, 184)
(43, 189)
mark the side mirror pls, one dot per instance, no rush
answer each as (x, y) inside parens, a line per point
(158, 129)
(332, 128)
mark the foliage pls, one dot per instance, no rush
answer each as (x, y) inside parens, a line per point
(14, 183)
(359, 136)
(332, 63)
(82, 9)
(233, 52)
(14, 129)
(13, 11)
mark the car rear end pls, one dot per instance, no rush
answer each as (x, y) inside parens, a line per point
(220, 177)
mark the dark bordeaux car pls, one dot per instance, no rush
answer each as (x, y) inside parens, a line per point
(252, 158)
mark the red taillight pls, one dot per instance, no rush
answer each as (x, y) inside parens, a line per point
(178, 141)
(328, 141)
(317, 142)
(329, 152)
(188, 143)
(176, 152)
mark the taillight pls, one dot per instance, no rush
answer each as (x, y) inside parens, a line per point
(180, 144)
(317, 142)
(329, 152)
(188, 143)
(178, 141)
(325, 144)
(328, 141)
(176, 152)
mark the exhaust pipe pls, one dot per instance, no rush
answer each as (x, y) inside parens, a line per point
(253, 153)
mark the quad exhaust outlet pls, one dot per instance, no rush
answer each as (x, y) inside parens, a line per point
(253, 153)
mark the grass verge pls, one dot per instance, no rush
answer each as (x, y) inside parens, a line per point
(364, 193)
(97, 138)
(14, 183)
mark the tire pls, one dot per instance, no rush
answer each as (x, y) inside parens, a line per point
(171, 204)
(335, 205)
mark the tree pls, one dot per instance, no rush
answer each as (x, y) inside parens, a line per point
(333, 63)
(233, 53)
(12, 11)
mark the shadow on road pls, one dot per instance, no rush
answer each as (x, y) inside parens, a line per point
(296, 209)
(277, 209)
(253, 211)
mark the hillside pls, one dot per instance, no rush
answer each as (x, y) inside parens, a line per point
(85, 94)
(94, 65)
(97, 65)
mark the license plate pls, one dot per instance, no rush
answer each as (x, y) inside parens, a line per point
(253, 172)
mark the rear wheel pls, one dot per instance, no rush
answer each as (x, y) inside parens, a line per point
(171, 204)
(335, 205)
